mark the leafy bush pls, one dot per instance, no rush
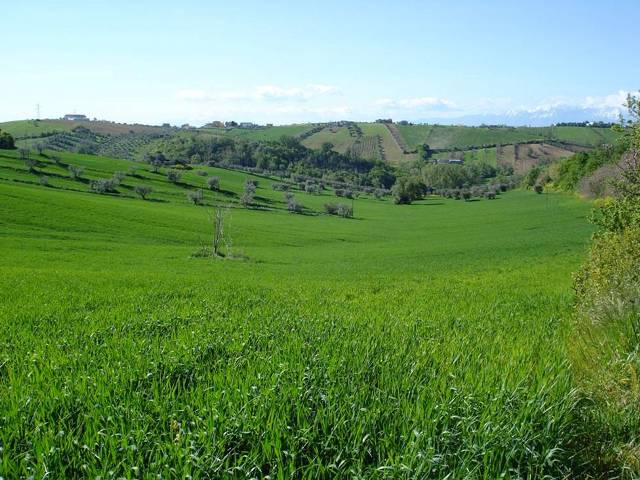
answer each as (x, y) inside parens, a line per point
(76, 171)
(293, 205)
(344, 192)
(282, 187)
(105, 185)
(379, 193)
(538, 188)
(606, 350)
(174, 176)
(312, 187)
(118, 177)
(339, 209)
(408, 189)
(213, 183)
(196, 196)
(44, 181)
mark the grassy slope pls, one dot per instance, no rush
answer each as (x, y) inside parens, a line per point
(440, 136)
(342, 141)
(338, 136)
(392, 151)
(421, 340)
(268, 133)
(34, 128)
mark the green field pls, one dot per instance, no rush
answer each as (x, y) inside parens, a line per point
(41, 128)
(413, 341)
(449, 136)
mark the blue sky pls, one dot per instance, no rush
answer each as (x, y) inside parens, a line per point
(284, 61)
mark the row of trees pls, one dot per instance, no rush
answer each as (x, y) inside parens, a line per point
(284, 156)
(444, 178)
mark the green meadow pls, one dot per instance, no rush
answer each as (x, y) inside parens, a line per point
(415, 341)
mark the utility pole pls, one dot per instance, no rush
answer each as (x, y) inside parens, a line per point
(37, 111)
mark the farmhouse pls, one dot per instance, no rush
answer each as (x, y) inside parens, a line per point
(75, 117)
(454, 161)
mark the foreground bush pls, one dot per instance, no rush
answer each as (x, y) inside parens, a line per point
(606, 349)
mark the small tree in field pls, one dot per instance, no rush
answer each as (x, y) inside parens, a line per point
(219, 216)
(173, 176)
(196, 196)
(31, 164)
(213, 183)
(76, 171)
(143, 191)
(292, 204)
(40, 148)
(249, 191)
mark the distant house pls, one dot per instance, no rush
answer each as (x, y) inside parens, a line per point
(72, 117)
(247, 125)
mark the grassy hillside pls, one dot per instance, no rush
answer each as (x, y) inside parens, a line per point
(345, 140)
(39, 128)
(449, 136)
(411, 341)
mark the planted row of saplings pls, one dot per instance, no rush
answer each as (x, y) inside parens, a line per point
(110, 185)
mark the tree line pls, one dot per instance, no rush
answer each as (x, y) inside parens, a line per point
(286, 155)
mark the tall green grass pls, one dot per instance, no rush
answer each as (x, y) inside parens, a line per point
(421, 341)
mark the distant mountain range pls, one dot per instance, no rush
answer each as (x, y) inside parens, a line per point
(539, 117)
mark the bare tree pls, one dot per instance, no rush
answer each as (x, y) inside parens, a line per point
(219, 215)
(143, 191)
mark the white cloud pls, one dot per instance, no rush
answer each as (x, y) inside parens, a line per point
(416, 103)
(260, 93)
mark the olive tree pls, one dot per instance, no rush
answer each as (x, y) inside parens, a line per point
(213, 183)
(76, 171)
(196, 196)
(174, 176)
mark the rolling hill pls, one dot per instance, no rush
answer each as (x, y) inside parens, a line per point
(521, 147)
